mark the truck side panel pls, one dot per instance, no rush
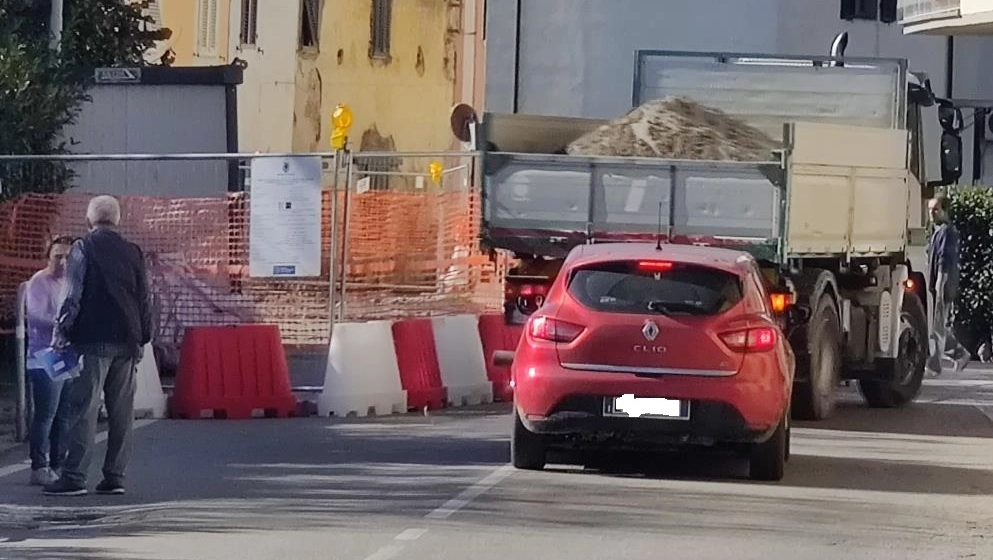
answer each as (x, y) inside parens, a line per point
(842, 179)
(540, 198)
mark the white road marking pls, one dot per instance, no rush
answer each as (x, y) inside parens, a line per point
(385, 553)
(469, 494)
(447, 509)
(101, 437)
(410, 534)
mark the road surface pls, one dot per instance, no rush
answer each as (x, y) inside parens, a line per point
(873, 484)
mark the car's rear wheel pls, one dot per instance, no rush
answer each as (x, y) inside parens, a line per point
(527, 450)
(768, 459)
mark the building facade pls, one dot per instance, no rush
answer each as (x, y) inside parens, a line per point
(946, 17)
(576, 57)
(400, 65)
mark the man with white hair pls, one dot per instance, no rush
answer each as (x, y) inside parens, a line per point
(106, 317)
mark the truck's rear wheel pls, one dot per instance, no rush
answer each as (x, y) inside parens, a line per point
(815, 397)
(907, 370)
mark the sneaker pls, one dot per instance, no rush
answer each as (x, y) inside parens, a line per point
(934, 365)
(43, 476)
(63, 487)
(962, 361)
(110, 487)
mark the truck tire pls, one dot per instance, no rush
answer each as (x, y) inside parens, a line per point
(908, 368)
(768, 459)
(527, 450)
(815, 398)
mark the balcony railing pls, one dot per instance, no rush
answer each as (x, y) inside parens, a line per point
(913, 11)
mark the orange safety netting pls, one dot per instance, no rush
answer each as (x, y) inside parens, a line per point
(409, 254)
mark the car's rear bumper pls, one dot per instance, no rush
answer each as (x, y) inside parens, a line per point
(579, 420)
(742, 408)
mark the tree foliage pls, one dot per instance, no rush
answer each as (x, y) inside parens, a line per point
(42, 90)
(971, 210)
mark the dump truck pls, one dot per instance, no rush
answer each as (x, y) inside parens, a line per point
(836, 218)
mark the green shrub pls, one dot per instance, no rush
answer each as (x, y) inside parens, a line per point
(972, 213)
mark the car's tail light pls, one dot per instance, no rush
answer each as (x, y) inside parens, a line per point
(761, 339)
(528, 290)
(546, 328)
(654, 266)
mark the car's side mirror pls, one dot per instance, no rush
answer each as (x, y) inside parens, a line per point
(502, 358)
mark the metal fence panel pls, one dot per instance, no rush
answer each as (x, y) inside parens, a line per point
(405, 246)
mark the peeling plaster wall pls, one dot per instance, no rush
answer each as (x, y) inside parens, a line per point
(400, 103)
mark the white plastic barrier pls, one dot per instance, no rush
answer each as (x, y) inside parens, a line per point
(149, 398)
(461, 360)
(362, 376)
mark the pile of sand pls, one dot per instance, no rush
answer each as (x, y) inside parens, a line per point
(676, 128)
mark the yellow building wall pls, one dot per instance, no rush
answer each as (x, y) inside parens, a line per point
(401, 104)
(181, 16)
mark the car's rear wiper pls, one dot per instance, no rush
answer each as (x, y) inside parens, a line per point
(670, 307)
(659, 306)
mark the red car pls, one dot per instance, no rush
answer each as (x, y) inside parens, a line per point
(646, 347)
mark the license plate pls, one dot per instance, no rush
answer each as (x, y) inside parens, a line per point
(629, 406)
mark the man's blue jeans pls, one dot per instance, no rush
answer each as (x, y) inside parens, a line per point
(49, 422)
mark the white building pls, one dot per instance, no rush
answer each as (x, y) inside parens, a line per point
(946, 17)
(576, 57)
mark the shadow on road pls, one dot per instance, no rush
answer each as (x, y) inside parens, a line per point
(804, 471)
(919, 418)
(298, 474)
(61, 553)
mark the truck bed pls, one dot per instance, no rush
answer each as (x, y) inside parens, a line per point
(837, 190)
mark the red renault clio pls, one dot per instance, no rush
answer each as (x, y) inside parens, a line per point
(645, 346)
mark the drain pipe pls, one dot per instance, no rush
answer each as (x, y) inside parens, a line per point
(517, 56)
(55, 26)
(949, 66)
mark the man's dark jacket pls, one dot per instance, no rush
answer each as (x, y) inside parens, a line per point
(115, 303)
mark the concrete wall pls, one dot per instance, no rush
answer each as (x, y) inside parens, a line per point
(266, 98)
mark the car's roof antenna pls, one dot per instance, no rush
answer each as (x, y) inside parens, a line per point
(658, 237)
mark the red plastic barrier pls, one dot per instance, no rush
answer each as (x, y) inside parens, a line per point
(495, 335)
(420, 374)
(233, 372)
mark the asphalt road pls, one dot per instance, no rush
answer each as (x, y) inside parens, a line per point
(903, 484)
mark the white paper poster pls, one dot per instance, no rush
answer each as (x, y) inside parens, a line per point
(285, 220)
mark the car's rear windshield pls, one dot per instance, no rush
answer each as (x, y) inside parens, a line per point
(652, 287)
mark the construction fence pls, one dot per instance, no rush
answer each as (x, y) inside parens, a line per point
(395, 242)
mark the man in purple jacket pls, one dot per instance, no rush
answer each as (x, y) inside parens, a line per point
(46, 437)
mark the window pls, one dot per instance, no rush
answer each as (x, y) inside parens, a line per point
(887, 11)
(859, 9)
(626, 287)
(310, 23)
(207, 28)
(382, 22)
(249, 21)
(871, 10)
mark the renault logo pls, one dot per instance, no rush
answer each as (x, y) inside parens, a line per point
(650, 330)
